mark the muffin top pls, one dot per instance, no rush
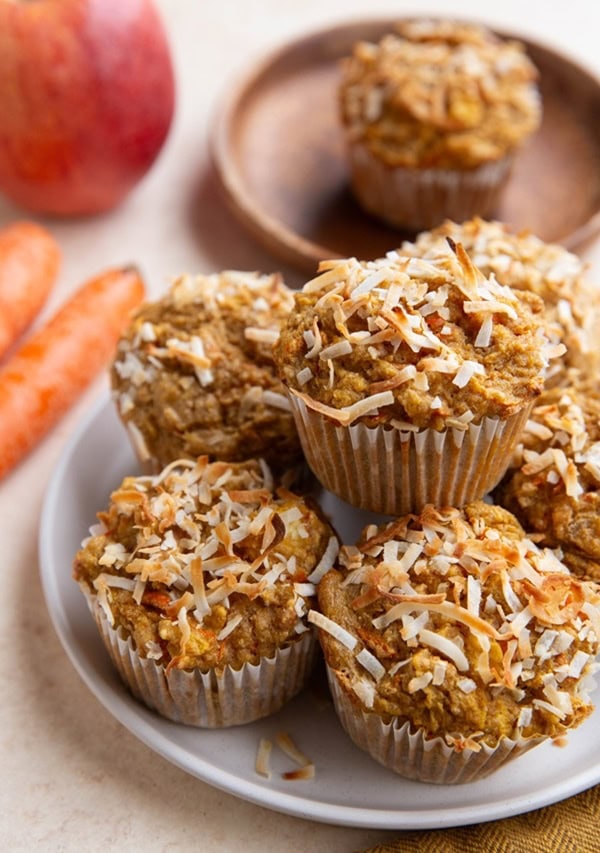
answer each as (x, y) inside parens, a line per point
(206, 565)
(553, 485)
(523, 261)
(439, 94)
(455, 621)
(412, 343)
(194, 372)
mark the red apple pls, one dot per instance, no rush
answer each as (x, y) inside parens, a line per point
(86, 101)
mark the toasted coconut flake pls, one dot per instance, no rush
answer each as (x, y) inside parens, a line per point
(398, 666)
(547, 706)
(301, 774)
(262, 336)
(406, 373)
(419, 682)
(484, 335)
(446, 647)
(336, 350)
(466, 372)
(263, 758)
(330, 627)
(287, 745)
(138, 441)
(276, 400)
(371, 664)
(327, 560)
(446, 608)
(365, 690)
(304, 376)
(230, 626)
(480, 306)
(348, 414)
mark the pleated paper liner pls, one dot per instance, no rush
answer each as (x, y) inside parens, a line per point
(412, 755)
(209, 699)
(393, 471)
(418, 199)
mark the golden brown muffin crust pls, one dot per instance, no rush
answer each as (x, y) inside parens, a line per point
(524, 262)
(205, 565)
(439, 94)
(430, 343)
(194, 372)
(475, 632)
(553, 485)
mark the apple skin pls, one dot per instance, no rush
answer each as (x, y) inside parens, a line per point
(87, 95)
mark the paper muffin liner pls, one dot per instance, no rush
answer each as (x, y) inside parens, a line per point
(209, 699)
(394, 472)
(411, 754)
(418, 199)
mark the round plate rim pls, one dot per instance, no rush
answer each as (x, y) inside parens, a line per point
(154, 731)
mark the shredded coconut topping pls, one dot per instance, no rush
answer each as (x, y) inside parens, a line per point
(429, 327)
(459, 94)
(208, 536)
(524, 262)
(477, 605)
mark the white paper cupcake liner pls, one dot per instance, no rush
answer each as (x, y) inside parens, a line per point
(418, 199)
(414, 756)
(392, 471)
(209, 699)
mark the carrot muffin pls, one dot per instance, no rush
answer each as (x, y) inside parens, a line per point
(454, 644)
(199, 580)
(194, 373)
(434, 114)
(553, 485)
(409, 379)
(523, 261)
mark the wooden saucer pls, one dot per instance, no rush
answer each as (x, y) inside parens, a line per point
(279, 153)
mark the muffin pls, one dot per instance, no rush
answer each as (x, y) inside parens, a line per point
(454, 644)
(553, 484)
(199, 580)
(193, 373)
(433, 115)
(410, 380)
(523, 261)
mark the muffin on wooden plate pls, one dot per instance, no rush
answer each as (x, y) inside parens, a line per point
(194, 373)
(410, 380)
(454, 644)
(199, 580)
(433, 116)
(523, 261)
(553, 484)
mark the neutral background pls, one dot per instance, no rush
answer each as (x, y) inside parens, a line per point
(74, 779)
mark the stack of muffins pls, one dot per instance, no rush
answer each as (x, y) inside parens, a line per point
(201, 573)
(456, 635)
(454, 639)
(446, 387)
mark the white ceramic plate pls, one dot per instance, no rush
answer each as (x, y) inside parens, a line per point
(349, 787)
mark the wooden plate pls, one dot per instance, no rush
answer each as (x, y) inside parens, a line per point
(279, 154)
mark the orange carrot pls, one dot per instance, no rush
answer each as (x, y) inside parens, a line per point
(29, 261)
(46, 375)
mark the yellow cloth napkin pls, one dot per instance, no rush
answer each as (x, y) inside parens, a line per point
(572, 826)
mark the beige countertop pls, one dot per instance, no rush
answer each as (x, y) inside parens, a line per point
(73, 778)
